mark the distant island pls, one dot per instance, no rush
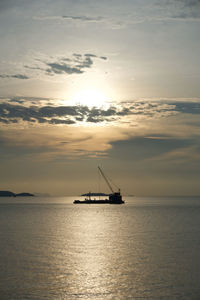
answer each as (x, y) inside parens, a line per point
(95, 194)
(11, 194)
(24, 195)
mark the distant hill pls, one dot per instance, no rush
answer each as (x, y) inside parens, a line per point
(7, 194)
(11, 194)
(24, 195)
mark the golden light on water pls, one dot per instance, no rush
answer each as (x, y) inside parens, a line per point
(92, 259)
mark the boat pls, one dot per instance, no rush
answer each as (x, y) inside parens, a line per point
(113, 198)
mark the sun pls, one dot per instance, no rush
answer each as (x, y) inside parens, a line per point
(90, 98)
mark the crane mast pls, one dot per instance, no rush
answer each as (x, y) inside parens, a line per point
(106, 180)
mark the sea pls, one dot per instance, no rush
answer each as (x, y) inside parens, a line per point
(147, 248)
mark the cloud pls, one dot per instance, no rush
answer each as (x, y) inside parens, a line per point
(17, 100)
(184, 9)
(45, 111)
(90, 55)
(51, 129)
(187, 107)
(45, 114)
(17, 76)
(188, 153)
(189, 3)
(167, 11)
(40, 144)
(77, 64)
(6, 4)
(10, 113)
(84, 18)
(73, 18)
(61, 68)
(60, 121)
(103, 57)
(147, 148)
(81, 19)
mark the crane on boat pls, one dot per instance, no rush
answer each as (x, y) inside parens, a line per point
(115, 197)
(107, 181)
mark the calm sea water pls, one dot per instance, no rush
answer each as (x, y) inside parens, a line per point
(148, 248)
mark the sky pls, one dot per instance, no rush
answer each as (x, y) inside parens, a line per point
(91, 83)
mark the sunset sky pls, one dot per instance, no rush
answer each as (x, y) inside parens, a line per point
(111, 83)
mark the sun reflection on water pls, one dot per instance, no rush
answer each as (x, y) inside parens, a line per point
(91, 258)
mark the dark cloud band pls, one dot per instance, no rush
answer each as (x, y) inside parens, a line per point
(15, 110)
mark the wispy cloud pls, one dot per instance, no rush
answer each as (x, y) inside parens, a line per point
(87, 19)
(189, 3)
(177, 10)
(183, 9)
(76, 64)
(6, 4)
(76, 18)
(84, 18)
(16, 76)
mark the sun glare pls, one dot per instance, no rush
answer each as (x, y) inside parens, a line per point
(90, 98)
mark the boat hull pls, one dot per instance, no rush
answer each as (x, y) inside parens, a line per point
(89, 201)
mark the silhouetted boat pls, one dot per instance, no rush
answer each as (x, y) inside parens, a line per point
(114, 198)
